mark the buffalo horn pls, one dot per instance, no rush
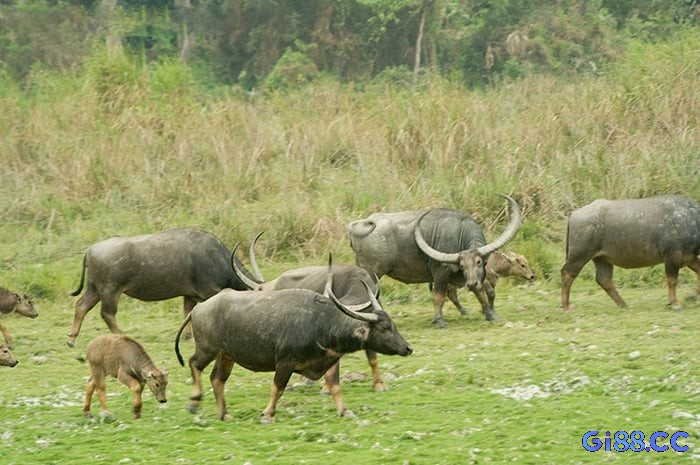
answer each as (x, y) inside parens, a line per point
(503, 239)
(253, 263)
(436, 255)
(510, 231)
(366, 317)
(241, 274)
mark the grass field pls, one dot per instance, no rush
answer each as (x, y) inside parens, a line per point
(522, 390)
(115, 149)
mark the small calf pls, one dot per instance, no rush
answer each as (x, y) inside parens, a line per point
(504, 264)
(13, 302)
(7, 359)
(125, 359)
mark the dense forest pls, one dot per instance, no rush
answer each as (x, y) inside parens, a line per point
(267, 44)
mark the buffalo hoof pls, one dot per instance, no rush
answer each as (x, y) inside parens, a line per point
(439, 323)
(266, 419)
(380, 387)
(676, 307)
(462, 311)
(348, 414)
(192, 408)
(491, 317)
(71, 342)
(107, 417)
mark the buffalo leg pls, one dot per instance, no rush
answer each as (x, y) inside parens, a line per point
(198, 362)
(97, 383)
(483, 298)
(332, 381)
(136, 388)
(88, 397)
(569, 272)
(377, 381)
(490, 294)
(84, 305)
(6, 335)
(695, 266)
(439, 298)
(282, 375)
(454, 298)
(604, 275)
(109, 312)
(672, 281)
(219, 376)
(187, 306)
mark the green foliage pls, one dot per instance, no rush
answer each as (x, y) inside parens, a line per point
(171, 79)
(115, 77)
(294, 69)
(256, 44)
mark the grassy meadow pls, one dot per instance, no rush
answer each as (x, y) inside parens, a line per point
(118, 150)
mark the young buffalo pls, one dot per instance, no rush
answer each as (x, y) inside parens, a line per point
(13, 302)
(125, 359)
(7, 359)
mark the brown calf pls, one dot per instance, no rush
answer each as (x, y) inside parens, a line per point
(7, 359)
(499, 265)
(12, 302)
(504, 264)
(125, 359)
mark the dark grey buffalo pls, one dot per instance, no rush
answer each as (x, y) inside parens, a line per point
(632, 234)
(443, 247)
(186, 262)
(286, 331)
(348, 287)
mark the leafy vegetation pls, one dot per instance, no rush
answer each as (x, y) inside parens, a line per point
(241, 43)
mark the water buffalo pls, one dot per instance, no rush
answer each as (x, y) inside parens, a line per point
(186, 262)
(13, 302)
(7, 358)
(454, 253)
(286, 331)
(632, 233)
(125, 359)
(347, 287)
(505, 264)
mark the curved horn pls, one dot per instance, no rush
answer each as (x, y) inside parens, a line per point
(366, 317)
(509, 233)
(241, 273)
(436, 255)
(253, 263)
(375, 303)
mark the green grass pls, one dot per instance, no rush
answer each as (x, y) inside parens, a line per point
(525, 389)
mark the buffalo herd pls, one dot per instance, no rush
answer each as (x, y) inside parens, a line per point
(304, 320)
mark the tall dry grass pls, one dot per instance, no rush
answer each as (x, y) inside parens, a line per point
(122, 150)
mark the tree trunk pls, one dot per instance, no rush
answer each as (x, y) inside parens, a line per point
(419, 41)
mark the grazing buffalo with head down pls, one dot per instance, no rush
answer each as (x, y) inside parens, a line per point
(7, 358)
(123, 358)
(443, 247)
(286, 331)
(179, 262)
(13, 302)
(348, 287)
(632, 234)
